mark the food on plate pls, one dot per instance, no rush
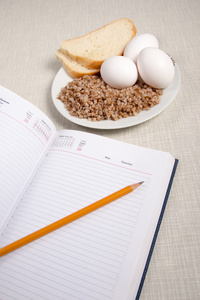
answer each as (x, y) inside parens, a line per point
(155, 67)
(116, 73)
(90, 50)
(138, 43)
(91, 98)
(73, 68)
(119, 72)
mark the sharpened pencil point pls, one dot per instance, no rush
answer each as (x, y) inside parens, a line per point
(135, 185)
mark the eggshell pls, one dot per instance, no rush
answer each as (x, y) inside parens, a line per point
(155, 67)
(138, 43)
(119, 72)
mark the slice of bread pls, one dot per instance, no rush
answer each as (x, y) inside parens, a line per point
(92, 49)
(73, 68)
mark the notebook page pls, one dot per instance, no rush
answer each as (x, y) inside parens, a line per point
(25, 133)
(85, 259)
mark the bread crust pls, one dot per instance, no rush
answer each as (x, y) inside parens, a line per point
(95, 63)
(75, 74)
(75, 70)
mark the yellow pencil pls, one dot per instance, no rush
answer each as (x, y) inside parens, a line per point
(68, 219)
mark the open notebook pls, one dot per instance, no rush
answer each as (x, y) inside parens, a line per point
(46, 175)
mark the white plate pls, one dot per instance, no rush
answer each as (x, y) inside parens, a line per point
(62, 78)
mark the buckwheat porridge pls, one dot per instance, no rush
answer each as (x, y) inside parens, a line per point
(89, 97)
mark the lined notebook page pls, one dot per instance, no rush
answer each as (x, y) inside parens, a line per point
(85, 259)
(21, 146)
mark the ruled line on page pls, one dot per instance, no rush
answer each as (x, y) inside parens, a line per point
(77, 270)
(28, 223)
(22, 124)
(107, 274)
(19, 152)
(73, 260)
(70, 286)
(81, 178)
(83, 284)
(96, 159)
(15, 132)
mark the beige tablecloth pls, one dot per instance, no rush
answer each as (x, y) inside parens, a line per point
(30, 33)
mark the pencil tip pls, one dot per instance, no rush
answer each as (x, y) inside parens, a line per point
(133, 186)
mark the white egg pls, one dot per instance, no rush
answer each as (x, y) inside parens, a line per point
(155, 67)
(119, 72)
(138, 43)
